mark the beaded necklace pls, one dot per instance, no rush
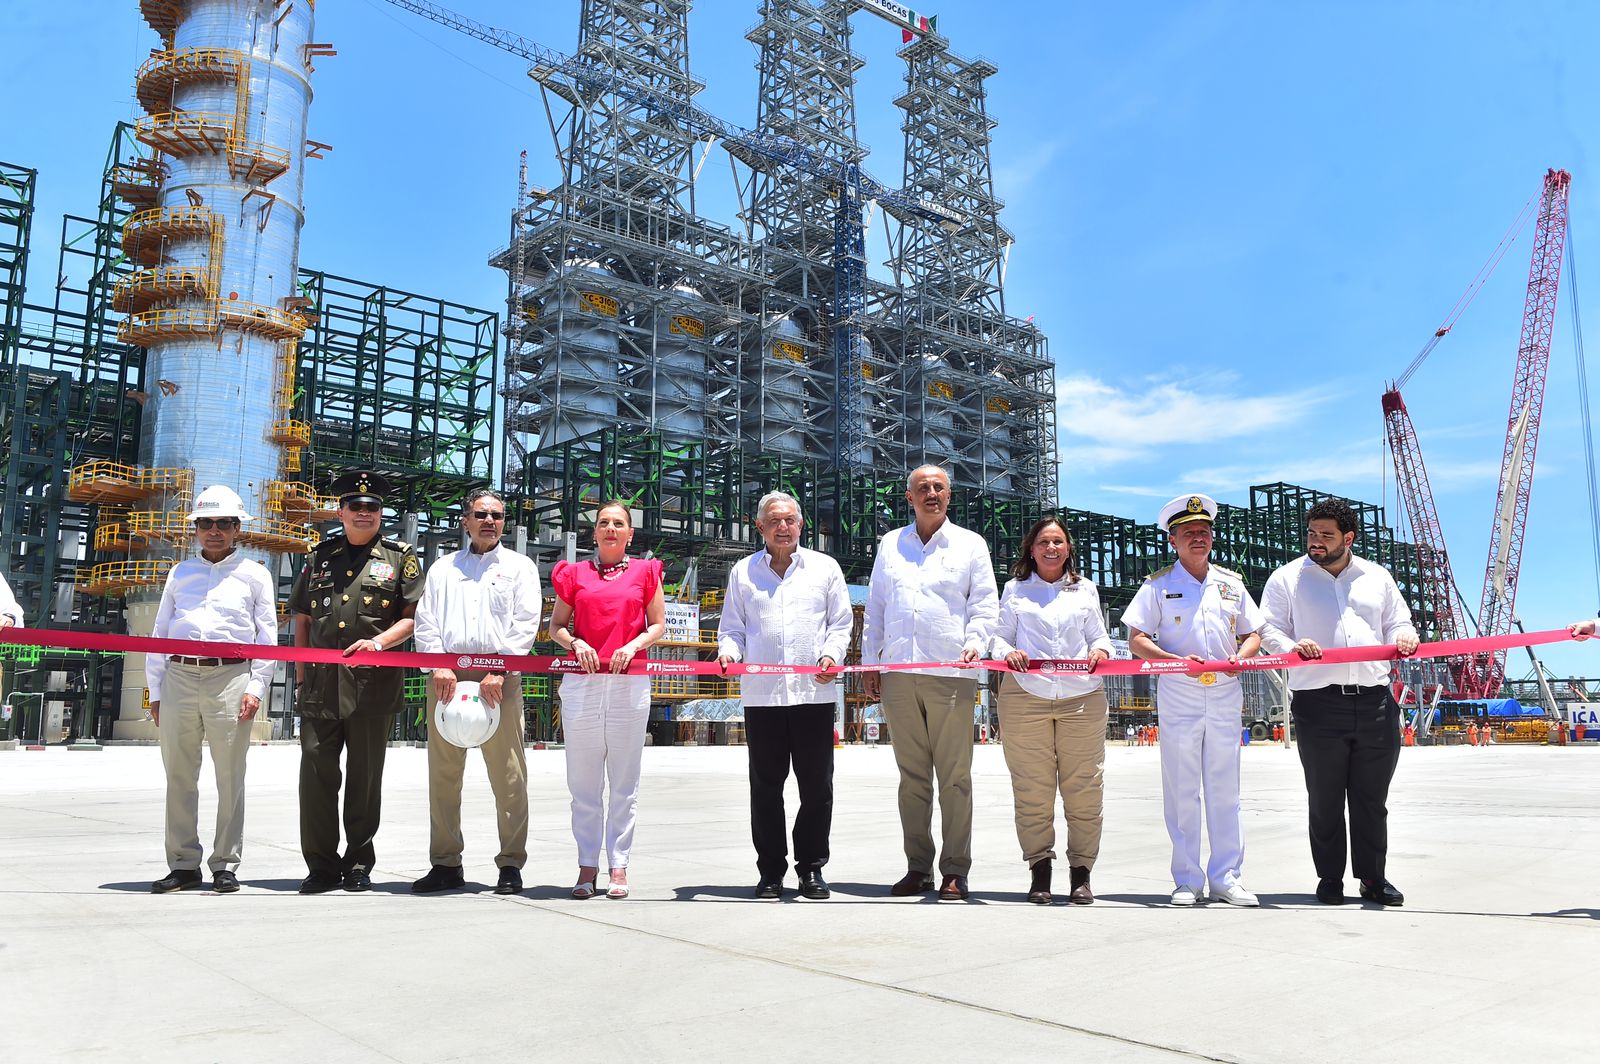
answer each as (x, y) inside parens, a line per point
(609, 572)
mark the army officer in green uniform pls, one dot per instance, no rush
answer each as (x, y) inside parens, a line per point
(358, 591)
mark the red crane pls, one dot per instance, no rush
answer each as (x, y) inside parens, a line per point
(1481, 675)
(1495, 613)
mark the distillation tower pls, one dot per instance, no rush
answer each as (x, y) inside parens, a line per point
(213, 299)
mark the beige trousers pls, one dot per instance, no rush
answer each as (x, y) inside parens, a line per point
(201, 702)
(507, 763)
(930, 725)
(1050, 745)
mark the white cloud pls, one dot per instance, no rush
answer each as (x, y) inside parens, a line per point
(1104, 424)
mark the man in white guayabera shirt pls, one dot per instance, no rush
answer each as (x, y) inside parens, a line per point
(787, 605)
(482, 600)
(1346, 721)
(218, 597)
(932, 598)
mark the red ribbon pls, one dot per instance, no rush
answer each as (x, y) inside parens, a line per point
(525, 663)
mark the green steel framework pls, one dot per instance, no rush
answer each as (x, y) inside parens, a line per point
(17, 184)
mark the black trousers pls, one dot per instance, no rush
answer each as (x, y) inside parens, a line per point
(1349, 747)
(366, 737)
(779, 736)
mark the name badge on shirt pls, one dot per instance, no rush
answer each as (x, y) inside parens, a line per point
(1174, 594)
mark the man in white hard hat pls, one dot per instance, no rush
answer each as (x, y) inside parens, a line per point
(482, 600)
(1202, 612)
(219, 597)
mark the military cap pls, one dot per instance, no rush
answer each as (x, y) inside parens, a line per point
(363, 485)
(1186, 508)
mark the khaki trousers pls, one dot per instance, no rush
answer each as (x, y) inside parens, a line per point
(1055, 744)
(202, 702)
(930, 725)
(507, 764)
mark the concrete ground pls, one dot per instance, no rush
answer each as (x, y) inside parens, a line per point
(1493, 958)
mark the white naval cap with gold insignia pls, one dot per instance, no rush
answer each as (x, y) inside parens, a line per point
(1186, 508)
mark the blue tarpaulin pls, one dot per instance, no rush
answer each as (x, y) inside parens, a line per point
(1492, 707)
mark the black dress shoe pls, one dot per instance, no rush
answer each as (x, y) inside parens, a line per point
(913, 882)
(356, 880)
(1039, 887)
(954, 888)
(813, 886)
(1081, 893)
(1330, 891)
(177, 879)
(225, 882)
(321, 882)
(439, 877)
(769, 889)
(510, 881)
(1381, 891)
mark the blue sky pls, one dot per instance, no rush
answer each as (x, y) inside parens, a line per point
(1235, 221)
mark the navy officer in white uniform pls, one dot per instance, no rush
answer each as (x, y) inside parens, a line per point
(1202, 612)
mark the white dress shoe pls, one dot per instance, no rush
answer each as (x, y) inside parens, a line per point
(1235, 894)
(1184, 896)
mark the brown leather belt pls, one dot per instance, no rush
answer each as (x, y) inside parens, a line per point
(203, 661)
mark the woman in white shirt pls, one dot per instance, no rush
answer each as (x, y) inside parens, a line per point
(1054, 726)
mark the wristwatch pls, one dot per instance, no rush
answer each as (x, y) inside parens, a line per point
(376, 644)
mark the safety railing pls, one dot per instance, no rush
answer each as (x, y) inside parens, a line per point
(118, 578)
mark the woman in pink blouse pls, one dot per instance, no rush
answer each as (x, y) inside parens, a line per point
(608, 611)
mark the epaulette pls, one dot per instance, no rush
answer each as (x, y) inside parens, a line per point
(1162, 572)
(1227, 572)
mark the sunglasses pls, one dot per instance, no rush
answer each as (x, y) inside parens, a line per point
(488, 515)
(365, 507)
(206, 524)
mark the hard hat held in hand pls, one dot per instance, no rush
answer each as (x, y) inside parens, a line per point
(465, 720)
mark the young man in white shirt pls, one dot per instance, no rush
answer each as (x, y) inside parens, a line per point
(932, 598)
(787, 605)
(1345, 718)
(219, 597)
(482, 600)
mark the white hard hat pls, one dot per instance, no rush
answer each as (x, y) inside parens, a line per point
(466, 720)
(219, 500)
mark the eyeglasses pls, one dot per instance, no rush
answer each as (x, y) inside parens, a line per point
(365, 507)
(206, 524)
(488, 515)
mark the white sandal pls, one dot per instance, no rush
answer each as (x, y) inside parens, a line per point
(584, 891)
(617, 890)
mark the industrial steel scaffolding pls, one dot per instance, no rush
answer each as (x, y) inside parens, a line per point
(385, 379)
(655, 355)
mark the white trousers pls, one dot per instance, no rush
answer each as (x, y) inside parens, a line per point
(202, 702)
(1200, 766)
(603, 720)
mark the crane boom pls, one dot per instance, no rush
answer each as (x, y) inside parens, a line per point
(1496, 614)
(1416, 493)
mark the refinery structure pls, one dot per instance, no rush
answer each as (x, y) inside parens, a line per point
(646, 352)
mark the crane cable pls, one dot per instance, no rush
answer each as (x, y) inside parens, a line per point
(1583, 409)
(1475, 286)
